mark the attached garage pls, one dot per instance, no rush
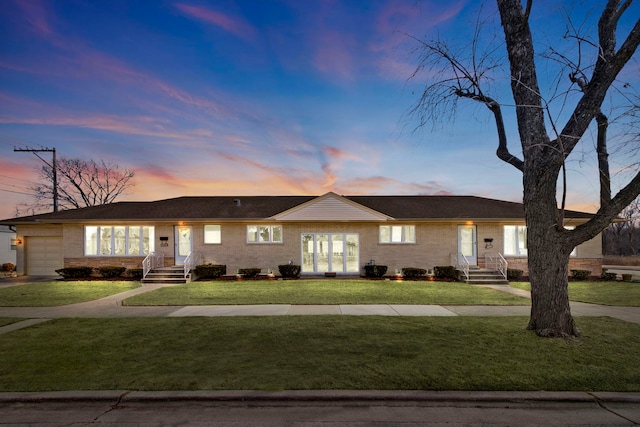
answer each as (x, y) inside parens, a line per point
(43, 255)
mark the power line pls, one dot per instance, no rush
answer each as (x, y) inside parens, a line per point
(16, 192)
(52, 166)
(18, 179)
(15, 186)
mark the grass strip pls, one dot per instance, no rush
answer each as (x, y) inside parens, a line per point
(317, 352)
(604, 293)
(55, 293)
(325, 291)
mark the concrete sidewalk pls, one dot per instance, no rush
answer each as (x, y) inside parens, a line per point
(111, 306)
(330, 408)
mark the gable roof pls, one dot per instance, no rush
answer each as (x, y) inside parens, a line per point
(331, 207)
(262, 208)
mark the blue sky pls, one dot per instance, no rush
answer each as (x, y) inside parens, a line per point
(250, 97)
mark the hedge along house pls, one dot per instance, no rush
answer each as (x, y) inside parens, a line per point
(330, 233)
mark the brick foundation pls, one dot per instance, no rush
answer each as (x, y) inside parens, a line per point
(592, 264)
(128, 262)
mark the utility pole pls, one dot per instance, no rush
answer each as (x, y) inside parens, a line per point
(53, 167)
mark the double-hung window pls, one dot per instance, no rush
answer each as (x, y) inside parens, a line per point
(212, 234)
(117, 240)
(397, 234)
(515, 240)
(264, 234)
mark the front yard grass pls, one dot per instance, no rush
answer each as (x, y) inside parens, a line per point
(323, 291)
(54, 293)
(604, 293)
(317, 352)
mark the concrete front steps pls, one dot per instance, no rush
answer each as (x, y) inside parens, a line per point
(483, 276)
(173, 275)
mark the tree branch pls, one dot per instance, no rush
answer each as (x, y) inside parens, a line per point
(606, 214)
(503, 151)
(607, 67)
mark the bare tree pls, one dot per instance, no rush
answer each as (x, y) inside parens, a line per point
(621, 236)
(545, 143)
(81, 183)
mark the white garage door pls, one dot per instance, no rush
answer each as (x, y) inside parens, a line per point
(44, 255)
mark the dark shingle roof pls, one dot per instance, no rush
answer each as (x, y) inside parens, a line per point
(263, 207)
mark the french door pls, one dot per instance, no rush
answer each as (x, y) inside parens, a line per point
(336, 252)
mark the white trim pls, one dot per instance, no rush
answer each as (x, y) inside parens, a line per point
(331, 207)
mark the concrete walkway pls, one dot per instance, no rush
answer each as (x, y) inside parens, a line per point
(111, 306)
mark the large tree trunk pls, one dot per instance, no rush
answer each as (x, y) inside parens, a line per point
(548, 256)
(550, 311)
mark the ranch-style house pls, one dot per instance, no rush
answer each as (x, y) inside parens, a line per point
(329, 233)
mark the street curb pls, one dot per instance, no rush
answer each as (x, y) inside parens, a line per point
(121, 396)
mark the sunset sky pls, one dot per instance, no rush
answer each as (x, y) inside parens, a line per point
(248, 97)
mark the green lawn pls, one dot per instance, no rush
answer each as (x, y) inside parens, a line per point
(325, 291)
(317, 352)
(54, 293)
(604, 293)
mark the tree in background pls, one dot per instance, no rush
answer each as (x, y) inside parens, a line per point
(550, 122)
(622, 237)
(81, 183)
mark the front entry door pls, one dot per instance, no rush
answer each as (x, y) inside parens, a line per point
(467, 244)
(183, 243)
(336, 252)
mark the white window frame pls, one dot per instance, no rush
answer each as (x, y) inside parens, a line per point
(97, 244)
(260, 237)
(398, 234)
(574, 253)
(519, 251)
(214, 233)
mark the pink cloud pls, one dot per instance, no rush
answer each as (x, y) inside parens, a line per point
(413, 18)
(238, 175)
(14, 67)
(81, 61)
(278, 180)
(235, 26)
(90, 63)
(107, 123)
(17, 175)
(332, 55)
(163, 131)
(395, 26)
(339, 154)
(37, 16)
(387, 185)
(18, 168)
